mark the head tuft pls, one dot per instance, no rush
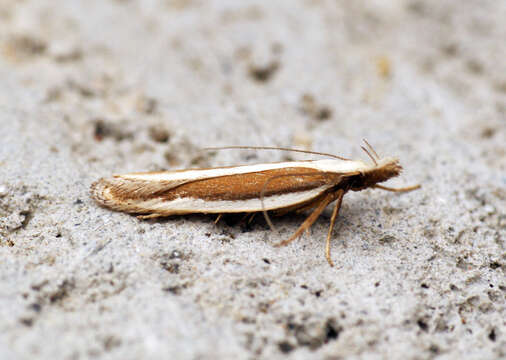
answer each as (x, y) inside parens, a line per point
(385, 169)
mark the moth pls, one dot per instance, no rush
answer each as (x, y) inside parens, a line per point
(278, 188)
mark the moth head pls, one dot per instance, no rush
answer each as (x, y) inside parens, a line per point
(385, 169)
(382, 170)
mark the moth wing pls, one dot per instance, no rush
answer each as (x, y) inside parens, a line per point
(109, 191)
(247, 192)
(213, 190)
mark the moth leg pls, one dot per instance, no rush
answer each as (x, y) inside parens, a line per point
(310, 219)
(335, 212)
(264, 211)
(404, 189)
(218, 218)
(150, 216)
(251, 217)
(247, 218)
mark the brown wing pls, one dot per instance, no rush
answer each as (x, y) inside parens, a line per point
(143, 196)
(252, 185)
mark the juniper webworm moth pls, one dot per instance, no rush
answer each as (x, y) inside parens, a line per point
(278, 188)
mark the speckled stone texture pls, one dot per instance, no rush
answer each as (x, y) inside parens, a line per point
(95, 87)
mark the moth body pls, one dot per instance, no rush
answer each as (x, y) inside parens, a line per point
(279, 187)
(231, 189)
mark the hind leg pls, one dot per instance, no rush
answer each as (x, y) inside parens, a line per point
(311, 218)
(335, 213)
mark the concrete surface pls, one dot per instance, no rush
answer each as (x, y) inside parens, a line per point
(91, 88)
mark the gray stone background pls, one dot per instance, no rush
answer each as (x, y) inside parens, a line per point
(91, 88)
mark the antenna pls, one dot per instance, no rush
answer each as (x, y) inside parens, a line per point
(276, 148)
(371, 148)
(368, 153)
